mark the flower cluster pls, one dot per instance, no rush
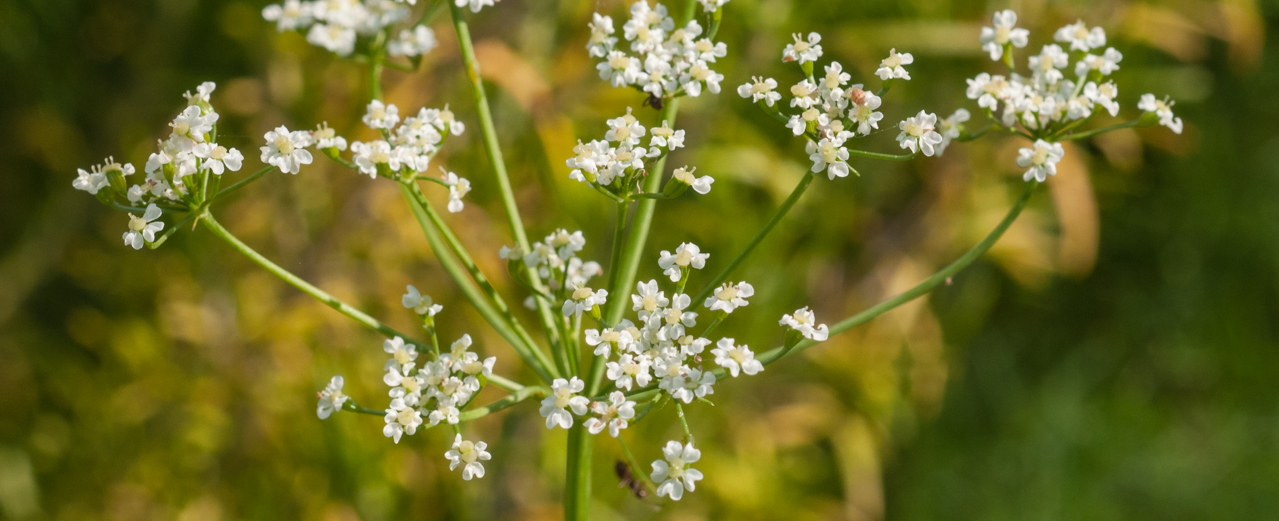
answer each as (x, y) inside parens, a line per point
(555, 263)
(617, 163)
(1047, 103)
(437, 390)
(342, 26)
(663, 61)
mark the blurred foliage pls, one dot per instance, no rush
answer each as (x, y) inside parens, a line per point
(1114, 358)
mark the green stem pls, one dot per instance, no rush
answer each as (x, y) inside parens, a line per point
(619, 238)
(494, 149)
(472, 292)
(636, 470)
(515, 397)
(719, 317)
(683, 422)
(359, 316)
(877, 155)
(577, 474)
(244, 181)
(1102, 130)
(759, 237)
(505, 383)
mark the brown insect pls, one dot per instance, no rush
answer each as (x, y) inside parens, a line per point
(628, 480)
(653, 101)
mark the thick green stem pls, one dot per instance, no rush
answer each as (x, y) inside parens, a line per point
(577, 474)
(619, 239)
(759, 237)
(473, 294)
(346, 309)
(494, 149)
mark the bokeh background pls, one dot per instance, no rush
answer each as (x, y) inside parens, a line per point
(1114, 357)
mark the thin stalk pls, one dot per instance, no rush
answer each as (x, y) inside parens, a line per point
(459, 251)
(515, 397)
(759, 237)
(877, 155)
(530, 354)
(683, 422)
(494, 149)
(346, 309)
(636, 470)
(244, 181)
(505, 383)
(1102, 130)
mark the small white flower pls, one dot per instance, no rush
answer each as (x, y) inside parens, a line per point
(400, 420)
(712, 5)
(564, 398)
(605, 340)
(445, 407)
(419, 303)
(602, 39)
(402, 353)
(1104, 95)
(289, 16)
(582, 300)
(381, 116)
(687, 255)
(193, 124)
(1162, 108)
(203, 92)
(736, 358)
(805, 322)
(469, 454)
(1106, 64)
(326, 137)
(1041, 160)
(629, 370)
(829, 155)
(475, 5)
(1080, 37)
(458, 188)
(892, 66)
(217, 159)
(417, 42)
(864, 108)
(331, 398)
(674, 474)
(143, 228)
(701, 185)
(90, 181)
(338, 39)
(612, 415)
(648, 299)
(287, 150)
(803, 51)
(729, 297)
(760, 89)
(1045, 66)
(918, 133)
(666, 137)
(1004, 32)
(950, 128)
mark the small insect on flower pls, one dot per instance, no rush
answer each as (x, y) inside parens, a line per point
(1040, 160)
(331, 398)
(626, 479)
(468, 454)
(143, 228)
(564, 398)
(675, 473)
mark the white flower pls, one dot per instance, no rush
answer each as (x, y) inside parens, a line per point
(863, 111)
(287, 150)
(338, 39)
(918, 133)
(419, 303)
(1080, 37)
(675, 474)
(1004, 32)
(760, 89)
(712, 5)
(469, 454)
(803, 51)
(417, 42)
(458, 188)
(1106, 64)
(673, 320)
(217, 158)
(666, 137)
(602, 39)
(891, 67)
(1045, 66)
(612, 415)
(693, 383)
(404, 384)
(829, 155)
(325, 137)
(730, 296)
(563, 398)
(629, 370)
(203, 92)
(950, 128)
(90, 181)
(805, 322)
(402, 353)
(401, 419)
(381, 116)
(1104, 95)
(648, 298)
(701, 185)
(687, 255)
(292, 15)
(446, 407)
(736, 358)
(331, 398)
(1161, 108)
(583, 299)
(1040, 161)
(604, 341)
(476, 5)
(144, 227)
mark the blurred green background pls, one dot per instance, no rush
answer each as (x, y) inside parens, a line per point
(1114, 357)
